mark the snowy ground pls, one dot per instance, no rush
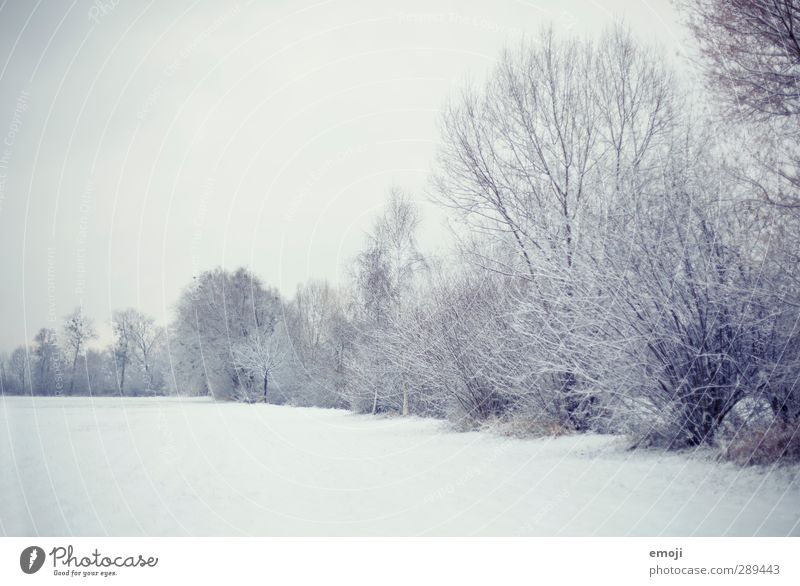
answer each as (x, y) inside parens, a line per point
(173, 467)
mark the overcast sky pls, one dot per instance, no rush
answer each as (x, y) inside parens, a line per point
(145, 142)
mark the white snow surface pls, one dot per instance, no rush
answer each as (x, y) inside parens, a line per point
(169, 466)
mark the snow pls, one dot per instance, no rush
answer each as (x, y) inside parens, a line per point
(167, 466)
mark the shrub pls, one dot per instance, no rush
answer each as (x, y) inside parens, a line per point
(778, 442)
(526, 426)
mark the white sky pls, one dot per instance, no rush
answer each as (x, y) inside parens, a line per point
(141, 143)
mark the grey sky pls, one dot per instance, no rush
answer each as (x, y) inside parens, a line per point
(144, 142)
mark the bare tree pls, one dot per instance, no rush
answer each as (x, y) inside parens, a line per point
(48, 377)
(751, 50)
(121, 324)
(384, 275)
(19, 368)
(216, 315)
(751, 57)
(78, 331)
(549, 159)
(319, 337)
(145, 337)
(461, 358)
(258, 356)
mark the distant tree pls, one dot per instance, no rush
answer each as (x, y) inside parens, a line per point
(78, 331)
(48, 377)
(221, 317)
(257, 356)
(319, 337)
(19, 370)
(456, 342)
(99, 370)
(121, 321)
(146, 338)
(384, 276)
(5, 379)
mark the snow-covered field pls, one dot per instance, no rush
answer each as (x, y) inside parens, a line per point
(85, 466)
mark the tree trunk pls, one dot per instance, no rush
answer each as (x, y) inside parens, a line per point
(72, 378)
(147, 379)
(405, 400)
(122, 377)
(41, 377)
(266, 378)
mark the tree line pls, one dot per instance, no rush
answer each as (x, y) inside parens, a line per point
(626, 261)
(60, 362)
